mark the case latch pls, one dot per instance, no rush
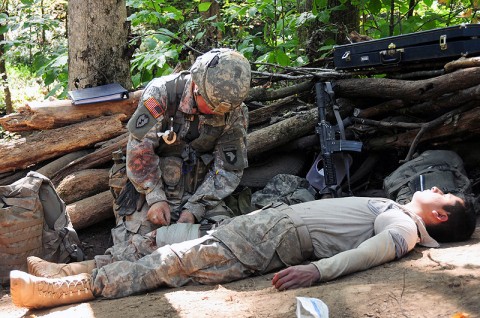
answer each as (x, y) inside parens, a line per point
(346, 56)
(443, 42)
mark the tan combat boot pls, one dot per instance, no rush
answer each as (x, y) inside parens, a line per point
(38, 292)
(41, 268)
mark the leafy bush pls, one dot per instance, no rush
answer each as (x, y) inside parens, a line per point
(265, 31)
(24, 86)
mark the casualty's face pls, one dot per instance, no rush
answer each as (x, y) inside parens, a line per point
(435, 198)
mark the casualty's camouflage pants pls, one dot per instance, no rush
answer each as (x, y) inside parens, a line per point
(204, 260)
(261, 243)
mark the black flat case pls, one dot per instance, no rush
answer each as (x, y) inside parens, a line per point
(433, 46)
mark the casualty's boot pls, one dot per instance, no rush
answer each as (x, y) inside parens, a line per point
(42, 268)
(38, 292)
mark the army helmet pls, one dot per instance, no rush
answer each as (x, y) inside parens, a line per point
(223, 78)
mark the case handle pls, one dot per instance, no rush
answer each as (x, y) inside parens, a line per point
(391, 56)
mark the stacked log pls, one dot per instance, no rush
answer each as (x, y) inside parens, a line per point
(73, 145)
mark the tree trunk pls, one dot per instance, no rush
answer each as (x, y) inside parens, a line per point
(3, 72)
(347, 20)
(213, 35)
(382, 109)
(97, 44)
(41, 146)
(261, 94)
(91, 210)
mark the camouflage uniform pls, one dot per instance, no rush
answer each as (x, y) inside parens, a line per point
(206, 260)
(285, 188)
(197, 171)
(339, 236)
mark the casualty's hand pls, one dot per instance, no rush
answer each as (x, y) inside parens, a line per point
(186, 217)
(295, 277)
(159, 213)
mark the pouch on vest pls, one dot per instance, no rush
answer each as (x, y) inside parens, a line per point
(34, 222)
(172, 176)
(117, 177)
(127, 199)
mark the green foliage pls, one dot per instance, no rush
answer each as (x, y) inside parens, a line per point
(35, 38)
(6, 135)
(265, 31)
(428, 14)
(153, 57)
(24, 86)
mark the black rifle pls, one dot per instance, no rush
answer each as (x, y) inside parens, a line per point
(329, 144)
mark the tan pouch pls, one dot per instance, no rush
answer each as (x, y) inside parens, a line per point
(172, 176)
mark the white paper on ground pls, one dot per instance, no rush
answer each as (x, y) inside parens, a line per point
(311, 308)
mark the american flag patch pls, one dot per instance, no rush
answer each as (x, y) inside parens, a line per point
(154, 107)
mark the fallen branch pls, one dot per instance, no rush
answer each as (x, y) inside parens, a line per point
(82, 184)
(385, 88)
(92, 160)
(434, 123)
(25, 152)
(91, 210)
(59, 113)
(281, 133)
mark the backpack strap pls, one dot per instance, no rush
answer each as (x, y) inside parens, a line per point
(458, 174)
(71, 248)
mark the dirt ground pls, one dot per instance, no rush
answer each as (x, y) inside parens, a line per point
(442, 282)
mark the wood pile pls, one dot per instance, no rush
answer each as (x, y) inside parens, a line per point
(393, 117)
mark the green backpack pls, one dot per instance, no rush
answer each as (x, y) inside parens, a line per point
(441, 168)
(34, 222)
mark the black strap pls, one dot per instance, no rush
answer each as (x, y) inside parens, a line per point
(337, 191)
(72, 249)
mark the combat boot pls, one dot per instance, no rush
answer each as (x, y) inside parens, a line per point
(38, 292)
(41, 268)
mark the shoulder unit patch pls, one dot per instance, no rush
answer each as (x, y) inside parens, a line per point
(142, 120)
(230, 155)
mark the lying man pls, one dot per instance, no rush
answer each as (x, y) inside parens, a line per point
(317, 241)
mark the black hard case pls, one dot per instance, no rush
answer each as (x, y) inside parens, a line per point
(438, 45)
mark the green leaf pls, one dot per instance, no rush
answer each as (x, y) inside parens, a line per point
(204, 6)
(149, 43)
(428, 3)
(49, 78)
(199, 35)
(220, 26)
(324, 16)
(374, 6)
(173, 13)
(321, 4)
(3, 18)
(4, 29)
(282, 58)
(252, 11)
(304, 18)
(60, 61)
